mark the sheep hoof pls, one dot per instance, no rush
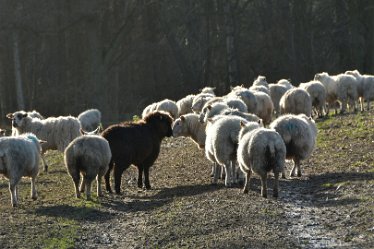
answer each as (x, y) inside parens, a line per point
(148, 187)
(34, 197)
(46, 168)
(245, 191)
(14, 205)
(265, 195)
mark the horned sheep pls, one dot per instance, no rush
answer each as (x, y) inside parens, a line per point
(261, 150)
(58, 132)
(19, 156)
(299, 134)
(88, 155)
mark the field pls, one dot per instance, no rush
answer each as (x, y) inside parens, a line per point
(330, 206)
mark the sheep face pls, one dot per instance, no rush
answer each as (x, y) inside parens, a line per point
(161, 121)
(178, 127)
(17, 118)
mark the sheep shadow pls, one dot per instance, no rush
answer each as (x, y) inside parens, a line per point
(322, 190)
(161, 198)
(73, 213)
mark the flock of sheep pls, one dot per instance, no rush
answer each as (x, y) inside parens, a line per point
(231, 129)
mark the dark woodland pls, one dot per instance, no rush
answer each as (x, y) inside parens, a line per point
(62, 57)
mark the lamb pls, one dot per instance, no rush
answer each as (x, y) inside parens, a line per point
(199, 101)
(365, 88)
(169, 106)
(189, 126)
(317, 93)
(299, 134)
(276, 93)
(260, 81)
(285, 83)
(246, 95)
(33, 114)
(184, 105)
(88, 155)
(148, 109)
(221, 143)
(296, 101)
(265, 107)
(19, 156)
(342, 88)
(57, 132)
(90, 119)
(136, 143)
(261, 150)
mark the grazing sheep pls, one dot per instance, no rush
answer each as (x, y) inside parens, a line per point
(184, 105)
(261, 150)
(285, 83)
(365, 88)
(317, 93)
(19, 156)
(258, 88)
(189, 126)
(208, 89)
(136, 143)
(260, 81)
(299, 134)
(265, 107)
(88, 155)
(90, 119)
(168, 106)
(221, 143)
(148, 109)
(276, 93)
(200, 100)
(342, 88)
(296, 101)
(57, 132)
(246, 95)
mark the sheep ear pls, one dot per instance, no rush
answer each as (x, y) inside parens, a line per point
(82, 132)
(9, 115)
(182, 118)
(242, 124)
(209, 107)
(209, 120)
(231, 87)
(260, 122)
(24, 115)
(42, 141)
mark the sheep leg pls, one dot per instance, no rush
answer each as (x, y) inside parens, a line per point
(234, 179)
(34, 194)
(13, 193)
(293, 171)
(88, 182)
(98, 181)
(228, 181)
(247, 179)
(76, 178)
(140, 177)
(118, 170)
(44, 163)
(83, 185)
(264, 186)
(146, 178)
(215, 172)
(276, 184)
(107, 178)
(298, 166)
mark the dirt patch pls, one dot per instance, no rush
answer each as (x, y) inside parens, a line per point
(331, 206)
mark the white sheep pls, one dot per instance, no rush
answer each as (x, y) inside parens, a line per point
(200, 100)
(212, 110)
(261, 150)
(33, 114)
(317, 93)
(246, 95)
(19, 156)
(365, 88)
(341, 88)
(296, 101)
(90, 119)
(58, 132)
(148, 109)
(188, 125)
(285, 83)
(265, 107)
(247, 116)
(259, 88)
(299, 134)
(88, 155)
(168, 106)
(221, 143)
(260, 81)
(185, 104)
(276, 93)
(208, 89)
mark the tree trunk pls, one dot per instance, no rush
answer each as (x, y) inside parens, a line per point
(18, 72)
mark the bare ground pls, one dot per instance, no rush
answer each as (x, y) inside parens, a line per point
(331, 206)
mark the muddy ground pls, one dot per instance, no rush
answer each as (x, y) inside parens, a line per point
(330, 206)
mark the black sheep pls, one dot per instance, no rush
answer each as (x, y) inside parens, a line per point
(136, 143)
